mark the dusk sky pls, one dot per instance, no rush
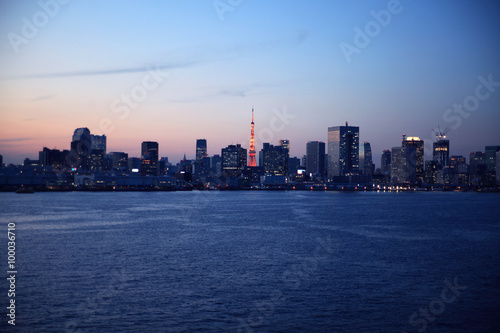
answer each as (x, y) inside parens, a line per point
(196, 68)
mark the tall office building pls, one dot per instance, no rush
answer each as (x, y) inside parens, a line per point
(497, 167)
(293, 165)
(1, 161)
(234, 159)
(98, 142)
(119, 161)
(81, 147)
(315, 152)
(477, 167)
(149, 158)
(403, 165)
(134, 164)
(201, 149)
(385, 162)
(441, 150)
(285, 143)
(459, 170)
(491, 165)
(274, 160)
(490, 157)
(343, 150)
(413, 141)
(365, 159)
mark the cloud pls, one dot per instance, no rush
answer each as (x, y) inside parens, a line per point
(14, 140)
(235, 93)
(101, 72)
(42, 98)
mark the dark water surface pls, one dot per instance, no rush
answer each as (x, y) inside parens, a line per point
(253, 262)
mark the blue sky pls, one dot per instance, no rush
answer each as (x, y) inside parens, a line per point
(273, 55)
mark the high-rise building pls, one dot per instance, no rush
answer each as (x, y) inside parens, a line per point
(343, 150)
(491, 165)
(252, 162)
(490, 157)
(134, 164)
(274, 159)
(315, 152)
(431, 172)
(149, 158)
(285, 143)
(459, 170)
(98, 142)
(497, 167)
(53, 157)
(234, 159)
(119, 161)
(385, 162)
(1, 161)
(201, 149)
(96, 160)
(441, 150)
(81, 147)
(365, 159)
(293, 165)
(216, 165)
(477, 167)
(403, 165)
(413, 141)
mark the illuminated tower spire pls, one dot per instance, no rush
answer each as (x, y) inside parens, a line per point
(251, 161)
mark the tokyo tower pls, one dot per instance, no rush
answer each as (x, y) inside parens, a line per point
(251, 160)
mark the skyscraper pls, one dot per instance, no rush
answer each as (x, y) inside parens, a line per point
(234, 159)
(98, 142)
(414, 141)
(81, 146)
(274, 159)
(119, 161)
(252, 162)
(477, 167)
(385, 162)
(315, 161)
(403, 165)
(491, 164)
(490, 157)
(365, 159)
(441, 150)
(201, 149)
(343, 150)
(149, 158)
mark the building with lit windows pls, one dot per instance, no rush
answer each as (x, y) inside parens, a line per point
(403, 166)
(419, 148)
(365, 159)
(343, 150)
(233, 160)
(149, 158)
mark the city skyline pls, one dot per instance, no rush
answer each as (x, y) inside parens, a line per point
(402, 78)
